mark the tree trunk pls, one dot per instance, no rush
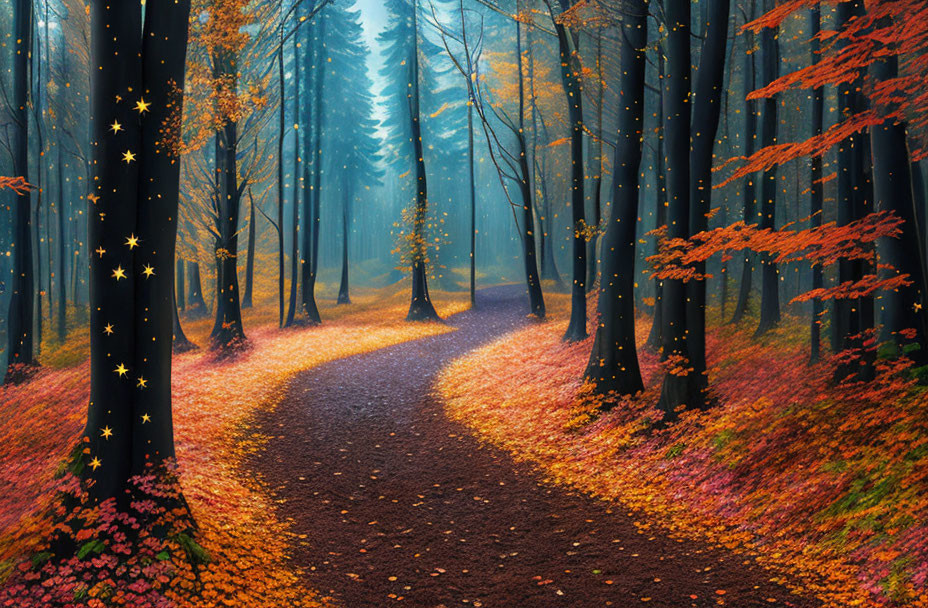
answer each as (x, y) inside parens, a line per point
(62, 252)
(181, 343)
(568, 42)
(851, 317)
(196, 305)
(129, 425)
(295, 212)
(343, 292)
(660, 186)
(903, 308)
(707, 106)
(817, 197)
(597, 187)
(180, 287)
(313, 196)
(473, 202)
(420, 305)
(748, 189)
(770, 275)
(613, 364)
(20, 317)
(680, 388)
(228, 332)
(248, 299)
(281, 126)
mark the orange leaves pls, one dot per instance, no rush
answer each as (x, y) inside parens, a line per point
(823, 246)
(19, 185)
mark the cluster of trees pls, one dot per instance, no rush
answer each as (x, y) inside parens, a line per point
(590, 122)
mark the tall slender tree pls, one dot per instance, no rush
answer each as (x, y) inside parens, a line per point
(613, 364)
(20, 316)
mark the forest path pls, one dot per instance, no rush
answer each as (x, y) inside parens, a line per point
(396, 501)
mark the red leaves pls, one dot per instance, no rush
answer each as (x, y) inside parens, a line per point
(823, 246)
(19, 185)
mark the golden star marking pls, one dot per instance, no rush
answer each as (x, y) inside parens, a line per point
(917, 306)
(108, 330)
(142, 106)
(95, 463)
(132, 241)
(100, 251)
(106, 432)
(93, 198)
(148, 271)
(143, 383)
(146, 418)
(128, 157)
(116, 127)
(119, 273)
(122, 370)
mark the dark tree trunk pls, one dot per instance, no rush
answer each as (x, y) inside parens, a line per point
(129, 423)
(248, 298)
(196, 305)
(903, 308)
(770, 275)
(613, 364)
(472, 183)
(180, 288)
(817, 197)
(62, 252)
(707, 106)
(343, 292)
(748, 188)
(228, 331)
(597, 186)
(312, 195)
(851, 317)
(181, 343)
(568, 42)
(660, 187)
(295, 212)
(420, 305)
(529, 253)
(281, 126)
(680, 389)
(20, 316)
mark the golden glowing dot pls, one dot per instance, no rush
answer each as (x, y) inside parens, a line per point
(132, 241)
(116, 127)
(142, 106)
(108, 330)
(148, 271)
(106, 432)
(122, 370)
(119, 273)
(101, 251)
(95, 463)
(128, 156)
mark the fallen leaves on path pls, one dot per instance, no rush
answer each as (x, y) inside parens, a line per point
(826, 486)
(214, 402)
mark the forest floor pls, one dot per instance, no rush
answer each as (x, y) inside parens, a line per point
(214, 402)
(395, 503)
(823, 486)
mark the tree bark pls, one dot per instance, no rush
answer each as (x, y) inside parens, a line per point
(20, 316)
(196, 305)
(613, 365)
(680, 388)
(420, 305)
(817, 196)
(770, 275)
(248, 298)
(568, 42)
(707, 106)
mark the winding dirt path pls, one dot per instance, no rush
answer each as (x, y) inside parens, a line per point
(400, 506)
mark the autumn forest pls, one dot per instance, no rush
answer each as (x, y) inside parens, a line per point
(475, 303)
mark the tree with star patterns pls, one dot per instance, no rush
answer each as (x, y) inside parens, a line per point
(137, 117)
